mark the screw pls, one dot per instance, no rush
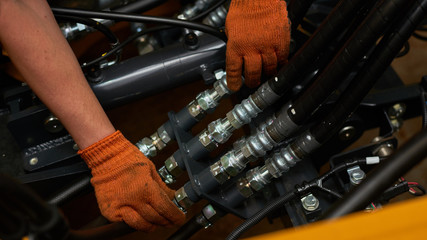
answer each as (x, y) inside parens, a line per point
(34, 161)
(347, 133)
(356, 176)
(191, 40)
(397, 110)
(76, 147)
(310, 202)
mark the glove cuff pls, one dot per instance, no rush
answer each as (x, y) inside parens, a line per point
(251, 3)
(105, 150)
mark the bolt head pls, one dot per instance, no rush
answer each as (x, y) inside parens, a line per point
(34, 161)
(163, 134)
(347, 133)
(397, 110)
(206, 140)
(182, 199)
(219, 173)
(244, 188)
(310, 202)
(195, 110)
(172, 166)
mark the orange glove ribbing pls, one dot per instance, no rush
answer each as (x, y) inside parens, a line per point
(259, 36)
(127, 186)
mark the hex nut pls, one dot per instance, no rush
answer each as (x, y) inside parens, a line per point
(165, 175)
(219, 130)
(146, 147)
(157, 141)
(206, 140)
(210, 213)
(182, 199)
(244, 188)
(227, 164)
(252, 179)
(163, 134)
(172, 166)
(233, 120)
(219, 173)
(195, 110)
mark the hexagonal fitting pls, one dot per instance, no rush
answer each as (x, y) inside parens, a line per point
(244, 188)
(195, 110)
(157, 141)
(172, 167)
(234, 121)
(252, 178)
(163, 134)
(220, 130)
(231, 164)
(219, 172)
(165, 175)
(210, 213)
(207, 141)
(205, 100)
(182, 199)
(146, 146)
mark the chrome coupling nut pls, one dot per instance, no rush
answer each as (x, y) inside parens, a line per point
(219, 172)
(220, 130)
(207, 140)
(165, 175)
(172, 167)
(147, 147)
(182, 199)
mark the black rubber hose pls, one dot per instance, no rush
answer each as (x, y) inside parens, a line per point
(297, 10)
(140, 18)
(22, 195)
(70, 191)
(188, 229)
(334, 24)
(109, 231)
(257, 217)
(139, 6)
(353, 51)
(377, 63)
(91, 23)
(413, 152)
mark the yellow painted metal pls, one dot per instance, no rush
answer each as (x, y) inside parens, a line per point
(404, 220)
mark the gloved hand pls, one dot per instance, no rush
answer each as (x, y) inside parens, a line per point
(258, 34)
(127, 186)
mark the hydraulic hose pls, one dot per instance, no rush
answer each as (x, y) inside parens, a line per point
(109, 231)
(297, 10)
(70, 191)
(378, 62)
(139, 6)
(140, 18)
(187, 230)
(381, 177)
(257, 217)
(348, 56)
(334, 24)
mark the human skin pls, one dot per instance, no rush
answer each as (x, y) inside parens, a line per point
(36, 46)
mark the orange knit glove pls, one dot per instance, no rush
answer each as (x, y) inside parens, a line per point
(259, 35)
(127, 185)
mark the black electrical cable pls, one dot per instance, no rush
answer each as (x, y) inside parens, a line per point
(421, 188)
(360, 86)
(381, 177)
(356, 47)
(140, 18)
(257, 217)
(207, 11)
(306, 187)
(335, 23)
(404, 51)
(139, 6)
(123, 44)
(91, 23)
(188, 229)
(419, 36)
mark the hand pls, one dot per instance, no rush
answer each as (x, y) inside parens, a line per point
(127, 186)
(258, 35)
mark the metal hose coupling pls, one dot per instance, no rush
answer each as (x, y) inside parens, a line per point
(204, 102)
(181, 200)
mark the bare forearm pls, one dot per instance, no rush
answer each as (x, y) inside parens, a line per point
(31, 37)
